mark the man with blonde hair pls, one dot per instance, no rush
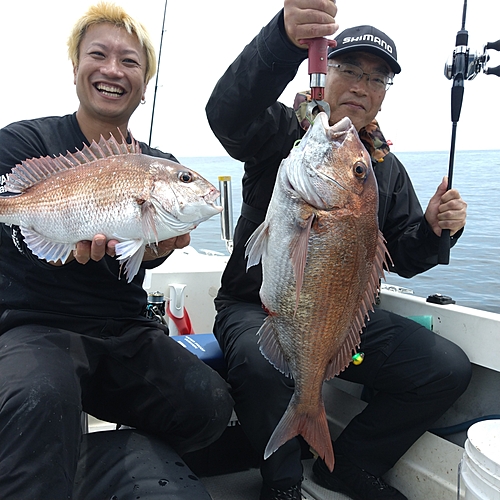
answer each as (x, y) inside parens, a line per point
(110, 13)
(76, 338)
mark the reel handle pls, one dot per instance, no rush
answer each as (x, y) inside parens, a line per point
(493, 71)
(493, 45)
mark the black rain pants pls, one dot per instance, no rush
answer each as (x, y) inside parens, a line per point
(417, 376)
(124, 371)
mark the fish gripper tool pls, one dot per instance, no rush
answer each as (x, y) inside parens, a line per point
(318, 67)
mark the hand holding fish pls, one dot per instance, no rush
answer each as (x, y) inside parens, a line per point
(166, 247)
(98, 247)
(309, 19)
(95, 249)
(446, 210)
(87, 250)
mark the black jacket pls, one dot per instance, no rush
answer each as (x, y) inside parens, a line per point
(255, 128)
(29, 283)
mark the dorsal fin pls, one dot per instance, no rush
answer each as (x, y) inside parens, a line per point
(35, 170)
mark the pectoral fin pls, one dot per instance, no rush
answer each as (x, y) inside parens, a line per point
(298, 253)
(148, 212)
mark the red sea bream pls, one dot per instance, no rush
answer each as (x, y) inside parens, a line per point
(322, 258)
(108, 188)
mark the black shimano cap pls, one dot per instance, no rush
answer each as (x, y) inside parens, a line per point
(366, 39)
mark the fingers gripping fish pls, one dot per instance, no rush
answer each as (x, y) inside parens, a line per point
(322, 258)
(108, 188)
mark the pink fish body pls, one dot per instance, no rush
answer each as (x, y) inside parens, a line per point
(322, 256)
(108, 188)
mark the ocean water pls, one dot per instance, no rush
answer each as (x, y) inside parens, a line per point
(472, 278)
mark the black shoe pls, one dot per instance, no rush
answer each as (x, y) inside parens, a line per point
(292, 493)
(357, 483)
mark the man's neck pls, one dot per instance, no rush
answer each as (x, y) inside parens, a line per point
(94, 129)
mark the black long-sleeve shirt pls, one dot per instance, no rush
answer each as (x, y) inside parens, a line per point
(245, 115)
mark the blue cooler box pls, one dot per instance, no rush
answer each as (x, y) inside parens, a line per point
(206, 347)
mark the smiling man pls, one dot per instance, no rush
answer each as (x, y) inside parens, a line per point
(75, 337)
(416, 374)
(111, 68)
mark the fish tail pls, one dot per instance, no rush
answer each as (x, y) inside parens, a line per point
(313, 428)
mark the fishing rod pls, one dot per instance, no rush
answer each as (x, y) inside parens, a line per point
(227, 231)
(464, 66)
(157, 74)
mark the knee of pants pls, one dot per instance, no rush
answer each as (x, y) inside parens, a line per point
(460, 373)
(265, 380)
(38, 369)
(42, 397)
(451, 375)
(204, 424)
(207, 395)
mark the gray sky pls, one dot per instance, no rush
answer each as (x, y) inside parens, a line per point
(202, 38)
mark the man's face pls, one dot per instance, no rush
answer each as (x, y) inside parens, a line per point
(352, 98)
(110, 76)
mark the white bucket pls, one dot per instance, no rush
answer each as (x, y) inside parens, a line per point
(480, 466)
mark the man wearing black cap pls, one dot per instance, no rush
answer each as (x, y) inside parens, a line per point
(367, 39)
(414, 374)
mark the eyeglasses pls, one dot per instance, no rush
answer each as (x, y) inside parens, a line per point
(376, 81)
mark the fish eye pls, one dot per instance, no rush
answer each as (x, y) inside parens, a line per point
(359, 170)
(185, 176)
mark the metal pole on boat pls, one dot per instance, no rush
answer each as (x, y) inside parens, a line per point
(226, 217)
(157, 73)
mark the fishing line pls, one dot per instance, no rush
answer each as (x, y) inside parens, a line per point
(157, 73)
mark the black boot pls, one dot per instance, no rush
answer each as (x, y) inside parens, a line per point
(350, 479)
(292, 493)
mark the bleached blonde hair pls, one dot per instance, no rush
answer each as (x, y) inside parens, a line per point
(105, 12)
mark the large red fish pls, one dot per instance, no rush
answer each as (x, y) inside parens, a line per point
(322, 258)
(108, 188)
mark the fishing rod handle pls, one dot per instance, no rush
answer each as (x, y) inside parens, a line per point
(444, 247)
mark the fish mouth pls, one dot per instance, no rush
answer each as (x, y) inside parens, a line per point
(303, 185)
(211, 197)
(109, 90)
(338, 131)
(217, 208)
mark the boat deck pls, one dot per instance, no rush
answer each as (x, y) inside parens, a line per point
(229, 467)
(245, 485)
